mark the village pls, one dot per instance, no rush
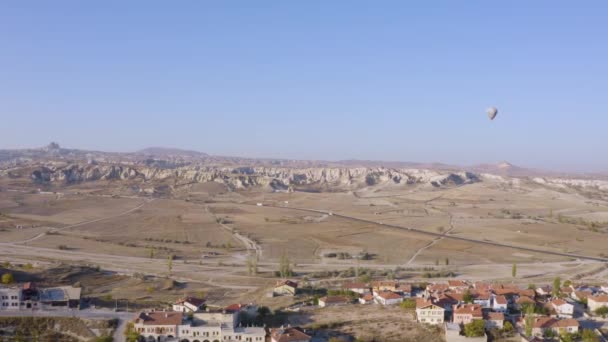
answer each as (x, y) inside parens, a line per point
(466, 311)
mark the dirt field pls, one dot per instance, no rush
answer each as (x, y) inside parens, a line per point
(367, 323)
(211, 232)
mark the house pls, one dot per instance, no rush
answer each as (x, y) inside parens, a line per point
(562, 308)
(566, 290)
(289, 335)
(405, 290)
(388, 298)
(481, 286)
(249, 309)
(333, 301)
(360, 288)
(158, 325)
(527, 292)
(482, 298)
(385, 285)
(61, 296)
(494, 320)
(285, 288)
(596, 302)
(29, 296)
(427, 312)
(521, 302)
(466, 313)
(604, 288)
(500, 304)
(435, 289)
(367, 298)
(559, 326)
(10, 298)
(447, 302)
(544, 291)
(189, 304)
(581, 295)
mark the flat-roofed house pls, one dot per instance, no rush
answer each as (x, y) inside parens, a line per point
(10, 298)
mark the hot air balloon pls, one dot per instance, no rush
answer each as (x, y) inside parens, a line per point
(492, 111)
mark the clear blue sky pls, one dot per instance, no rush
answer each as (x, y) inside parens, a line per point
(382, 80)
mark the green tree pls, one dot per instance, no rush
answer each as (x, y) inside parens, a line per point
(8, 278)
(602, 311)
(151, 253)
(104, 339)
(529, 320)
(514, 270)
(475, 329)
(170, 263)
(467, 297)
(567, 283)
(447, 261)
(557, 285)
(589, 336)
(408, 304)
(436, 262)
(285, 266)
(507, 328)
(131, 335)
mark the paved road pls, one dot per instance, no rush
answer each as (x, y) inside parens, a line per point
(446, 236)
(123, 317)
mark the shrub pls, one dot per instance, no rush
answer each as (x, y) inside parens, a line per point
(7, 278)
(475, 328)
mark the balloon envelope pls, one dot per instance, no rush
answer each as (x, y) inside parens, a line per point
(492, 111)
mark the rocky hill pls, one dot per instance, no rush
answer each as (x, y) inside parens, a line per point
(280, 178)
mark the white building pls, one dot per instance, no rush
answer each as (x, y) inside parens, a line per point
(596, 302)
(499, 303)
(189, 304)
(220, 326)
(388, 298)
(562, 308)
(10, 298)
(427, 312)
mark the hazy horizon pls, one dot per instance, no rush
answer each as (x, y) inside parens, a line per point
(312, 81)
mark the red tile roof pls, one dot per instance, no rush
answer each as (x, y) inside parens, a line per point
(192, 300)
(558, 302)
(472, 309)
(367, 297)
(457, 283)
(500, 300)
(550, 322)
(388, 295)
(335, 299)
(355, 286)
(160, 318)
(289, 334)
(599, 299)
(422, 303)
(496, 316)
(234, 307)
(525, 300)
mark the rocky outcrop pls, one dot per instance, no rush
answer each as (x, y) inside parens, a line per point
(601, 185)
(280, 178)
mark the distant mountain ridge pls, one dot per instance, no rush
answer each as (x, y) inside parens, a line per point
(165, 157)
